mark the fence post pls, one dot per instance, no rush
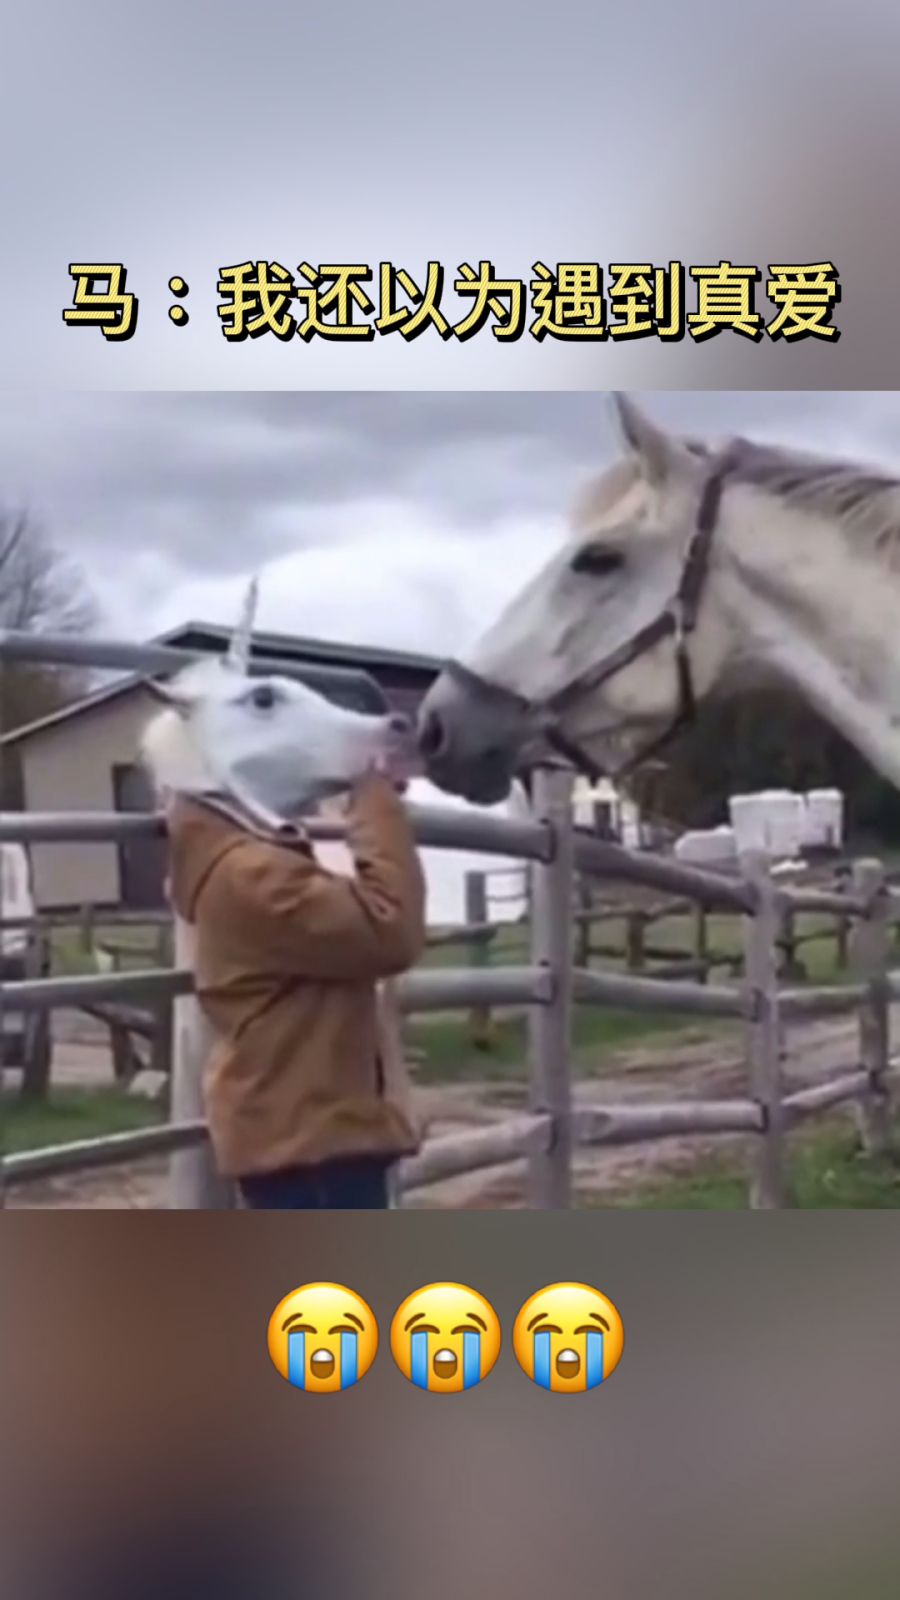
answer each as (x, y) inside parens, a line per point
(550, 1026)
(476, 906)
(841, 943)
(584, 896)
(701, 941)
(792, 970)
(194, 1183)
(869, 947)
(761, 928)
(635, 924)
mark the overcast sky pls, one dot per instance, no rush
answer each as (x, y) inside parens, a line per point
(382, 518)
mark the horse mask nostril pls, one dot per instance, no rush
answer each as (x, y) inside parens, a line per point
(432, 736)
(400, 726)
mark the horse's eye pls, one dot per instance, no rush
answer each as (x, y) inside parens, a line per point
(263, 697)
(598, 560)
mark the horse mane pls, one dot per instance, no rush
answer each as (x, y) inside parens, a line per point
(864, 501)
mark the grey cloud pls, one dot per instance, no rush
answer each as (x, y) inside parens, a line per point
(212, 484)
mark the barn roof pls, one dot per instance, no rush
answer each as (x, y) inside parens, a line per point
(212, 636)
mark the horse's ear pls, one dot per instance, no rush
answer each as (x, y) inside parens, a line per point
(659, 455)
(238, 657)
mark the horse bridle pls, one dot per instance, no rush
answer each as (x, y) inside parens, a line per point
(677, 619)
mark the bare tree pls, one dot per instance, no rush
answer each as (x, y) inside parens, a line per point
(42, 590)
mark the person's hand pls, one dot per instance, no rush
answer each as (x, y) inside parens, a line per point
(397, 768)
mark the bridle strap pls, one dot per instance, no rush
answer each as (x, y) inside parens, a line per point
(696, 564)
(679, 618)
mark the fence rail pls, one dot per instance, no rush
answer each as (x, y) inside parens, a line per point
(417, 991)
(88, 1155)
(435, 827)
(552, 982)
(661, 994)
(711, 889)
(439, 1160)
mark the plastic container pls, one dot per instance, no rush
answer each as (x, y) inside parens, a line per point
(726, 842)
(596, 805)
(630, 825)
(583, 805)
(775, 821)
(824, 818)
(706, 846)
(785, 821)
(748, 813)
(16, 898)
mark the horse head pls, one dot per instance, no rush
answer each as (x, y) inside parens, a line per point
(272, 743)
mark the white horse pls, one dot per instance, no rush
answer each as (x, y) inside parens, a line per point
(688, 571)
(270, 743)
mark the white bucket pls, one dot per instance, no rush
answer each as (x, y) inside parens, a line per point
(785, 819)
(774, 821)
(630, 825)
(748, 814)
(706, 846)
(824, 818)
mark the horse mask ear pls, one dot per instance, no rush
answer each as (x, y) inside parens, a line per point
(659, 456)
(170, 695)
(181, 696)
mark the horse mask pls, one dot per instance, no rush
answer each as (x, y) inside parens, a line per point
(275, 746)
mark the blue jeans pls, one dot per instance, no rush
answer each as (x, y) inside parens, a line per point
(351, 1183)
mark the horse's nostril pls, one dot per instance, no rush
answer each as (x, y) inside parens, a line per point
(432, 736)
(400, 725)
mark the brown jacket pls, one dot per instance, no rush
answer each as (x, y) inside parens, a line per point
(287, 958)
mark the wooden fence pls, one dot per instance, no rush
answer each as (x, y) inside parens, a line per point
(698, 954)
(688, 945)
(549, 985)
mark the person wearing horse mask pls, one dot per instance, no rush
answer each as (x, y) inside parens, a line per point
(306, 1094)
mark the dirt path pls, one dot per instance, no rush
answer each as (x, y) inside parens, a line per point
(631, 1075)
(637, 1075)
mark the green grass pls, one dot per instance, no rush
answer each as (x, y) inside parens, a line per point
(71, 1114)
(451, 1057)
(508, 948)
(70, 958)
(825, 1171)
(725, 938)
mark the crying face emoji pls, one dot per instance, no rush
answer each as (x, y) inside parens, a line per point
(445, 1337)
(568, 1338)
(322, 1337)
